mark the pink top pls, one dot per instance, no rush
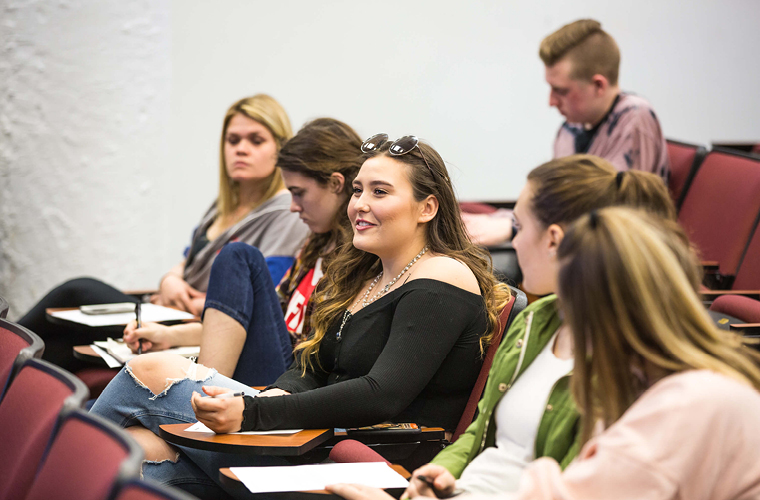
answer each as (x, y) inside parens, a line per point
(691, 436)
(629, 137)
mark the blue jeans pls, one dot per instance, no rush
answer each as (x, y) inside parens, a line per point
(127, 402)
(241, 287)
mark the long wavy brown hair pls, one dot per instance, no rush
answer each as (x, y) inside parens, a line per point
(445, 235)
(322, 147)
(628, 285)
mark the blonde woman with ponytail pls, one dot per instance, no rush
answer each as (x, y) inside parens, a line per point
(669, 402)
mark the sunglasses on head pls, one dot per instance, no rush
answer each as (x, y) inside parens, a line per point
(398, 147)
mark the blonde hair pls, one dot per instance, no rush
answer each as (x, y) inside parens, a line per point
(590, 49)
(268, 112)
(445, 234)
(628, 285)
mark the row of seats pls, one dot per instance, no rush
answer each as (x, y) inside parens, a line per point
(717, 194)
(51, 447)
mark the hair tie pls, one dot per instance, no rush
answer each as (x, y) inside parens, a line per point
(593, 219)
(619, 179)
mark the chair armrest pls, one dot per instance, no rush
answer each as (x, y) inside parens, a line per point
(409, 450)
(748, 329)
(425, 434)
(140, 293)
(710, 295)
(710, 266)
(510, 204)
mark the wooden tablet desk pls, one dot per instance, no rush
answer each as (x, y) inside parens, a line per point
(290, 445)
(86, 353)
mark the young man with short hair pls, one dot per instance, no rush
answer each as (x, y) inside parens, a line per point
(582, 64)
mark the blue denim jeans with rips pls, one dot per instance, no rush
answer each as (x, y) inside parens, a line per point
(241, 287)
(127, 402)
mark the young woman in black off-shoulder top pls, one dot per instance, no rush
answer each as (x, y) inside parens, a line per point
(399, 324)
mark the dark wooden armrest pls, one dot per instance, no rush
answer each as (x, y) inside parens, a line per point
(510, 204)
(751, 329)
(140, 292)
(425, 434)
(710, 295)
(710, 266)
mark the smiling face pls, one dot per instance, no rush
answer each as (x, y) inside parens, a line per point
(536, 247)
(383, 212)
(317, 204)
(250, 151)
(576, 100)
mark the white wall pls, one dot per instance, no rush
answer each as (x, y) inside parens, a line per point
(91, 153)
(464, 75)
(84, 112)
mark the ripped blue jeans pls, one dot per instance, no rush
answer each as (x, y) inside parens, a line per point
(127, 402)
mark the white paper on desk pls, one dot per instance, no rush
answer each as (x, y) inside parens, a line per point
(121, 353)
(200, 427)
(148, 312)
(110, 360)
(316, 477)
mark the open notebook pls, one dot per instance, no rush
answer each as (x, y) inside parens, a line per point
(120, 353)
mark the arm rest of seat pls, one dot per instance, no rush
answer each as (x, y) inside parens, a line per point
(748, 329)
(409, 450)
(425, 434)
(710, 266)
(140, 293)
(710, 295)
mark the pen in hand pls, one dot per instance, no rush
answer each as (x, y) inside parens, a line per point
(429, 483)
(139, 325)
(228, 395)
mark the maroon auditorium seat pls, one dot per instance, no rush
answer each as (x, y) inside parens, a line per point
(29, 412)
(685, 160)
(17, 344)
(104, 455)
(748, 274)
(722, 207)
(743, 308)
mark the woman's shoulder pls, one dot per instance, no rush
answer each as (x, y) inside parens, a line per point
(447, 270)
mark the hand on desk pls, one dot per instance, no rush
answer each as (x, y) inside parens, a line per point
(219, 415)
(176, 292)
(156, 337)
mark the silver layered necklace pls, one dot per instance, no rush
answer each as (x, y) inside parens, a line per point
(366, 300)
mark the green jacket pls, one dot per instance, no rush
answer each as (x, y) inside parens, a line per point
(558, 432)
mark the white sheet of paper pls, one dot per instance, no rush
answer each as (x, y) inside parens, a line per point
(110, 360)
(200, 427)
(316, 477)
(148, 312)
(121, 353)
